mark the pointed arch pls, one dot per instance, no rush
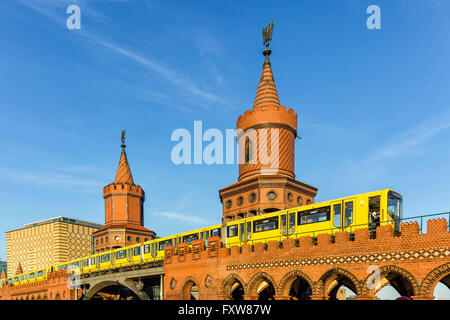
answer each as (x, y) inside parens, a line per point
(433, 277)
(256, 280)
(334, 277)
(287, 280)
(405, 283)
(227, 283)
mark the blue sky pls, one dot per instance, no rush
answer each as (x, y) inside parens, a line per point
(373, 105)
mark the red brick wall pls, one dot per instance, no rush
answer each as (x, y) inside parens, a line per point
(421, 259)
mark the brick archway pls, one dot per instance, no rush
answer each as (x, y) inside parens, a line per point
(402, 281)
(186, 286)
(432, 279)
(228, 282)
(332, 280)
(255, 281)
(288, 279)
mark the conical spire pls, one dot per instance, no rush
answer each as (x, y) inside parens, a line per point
(3, 274)
(123, 174)
(19, 269)
(267, 92)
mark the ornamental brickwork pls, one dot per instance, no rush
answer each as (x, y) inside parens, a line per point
(411, 262)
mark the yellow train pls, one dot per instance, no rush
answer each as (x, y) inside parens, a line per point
(350, 213)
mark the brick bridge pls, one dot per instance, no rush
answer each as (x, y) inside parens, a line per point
(315, 268)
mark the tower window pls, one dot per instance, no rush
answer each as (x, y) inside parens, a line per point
(248, 150)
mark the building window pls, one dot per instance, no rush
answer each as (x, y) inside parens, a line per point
(299, 200)
(252, 197)
(290, 197)
(240, 201)
(271, 195)
(228, 204)
(128, 238)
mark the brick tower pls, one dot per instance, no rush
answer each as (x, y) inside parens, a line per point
(266, 137)
(124, 211)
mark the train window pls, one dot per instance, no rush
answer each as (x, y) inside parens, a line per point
(348, 214)
(201, 235)
(249, 230)
(16, 279)
(75, 265)
(265, 224)
(232, 231)
(291, 222)
(146, 248)
(86, 262)
(314, 215)
(105, 258)
(92, 261)
(137, 251)
(21, 278)
(179, 239)
(32, 275)
(207, 235)
(337, 215)
(165, 243)
(40, 273)
(121, 254)
(188, 239)
(215, 232)
(64, 267)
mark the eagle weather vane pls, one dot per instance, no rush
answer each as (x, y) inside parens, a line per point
(267, 34)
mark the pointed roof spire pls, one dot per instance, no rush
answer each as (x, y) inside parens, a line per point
(3, 274)
(19, 269)
(267, 92)
(123, 174)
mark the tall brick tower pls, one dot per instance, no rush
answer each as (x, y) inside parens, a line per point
(266, 137)
(124, 211)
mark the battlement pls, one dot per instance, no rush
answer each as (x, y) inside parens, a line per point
(322, 245)
(268, 114)
(122, 188)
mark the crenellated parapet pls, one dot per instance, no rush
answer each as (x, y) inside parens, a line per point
(268, 116)
(409, 254)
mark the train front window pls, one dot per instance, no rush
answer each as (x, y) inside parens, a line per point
(394, 208)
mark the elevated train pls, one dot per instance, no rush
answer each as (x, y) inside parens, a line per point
(345, 214)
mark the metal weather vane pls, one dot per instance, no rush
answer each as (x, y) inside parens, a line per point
(267, 34)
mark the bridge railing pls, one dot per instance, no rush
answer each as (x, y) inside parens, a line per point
(421, 220)
(128, 264)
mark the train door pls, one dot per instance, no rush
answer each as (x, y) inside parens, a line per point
(242, 235)
(283, 224)
(249, 230)
(349, 207)
(291, 222)
(338, 218)
(113, 258)
(374, 213)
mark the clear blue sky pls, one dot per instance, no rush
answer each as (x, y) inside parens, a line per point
(373, 105)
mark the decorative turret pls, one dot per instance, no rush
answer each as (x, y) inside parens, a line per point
(124, 210)
(19, 269)
(3, 274)
(266, 138)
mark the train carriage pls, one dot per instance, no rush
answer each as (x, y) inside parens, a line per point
(345, 214)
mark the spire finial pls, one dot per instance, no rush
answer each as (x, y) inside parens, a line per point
(267, 37)
(123, 141)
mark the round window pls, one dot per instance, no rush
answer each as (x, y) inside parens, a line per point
(228, 204)
(299, 200)
(117, 238)
(271, 195)
(290, 197)
(128, 238)
(240, 201)
(252, 197)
